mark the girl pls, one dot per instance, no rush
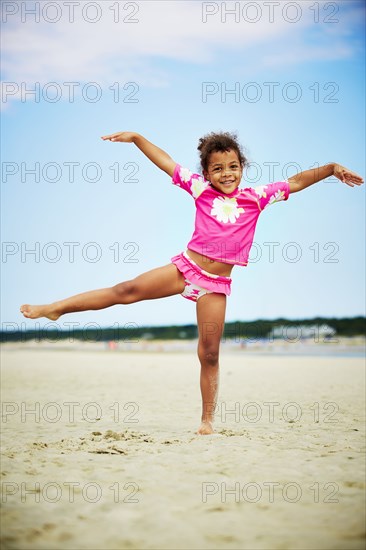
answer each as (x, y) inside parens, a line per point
(226, 217)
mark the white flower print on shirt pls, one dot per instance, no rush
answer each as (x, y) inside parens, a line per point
(198, 186)
(185, 174)
(278, 196)
(261, 191)
(197, 183)
(226, 209)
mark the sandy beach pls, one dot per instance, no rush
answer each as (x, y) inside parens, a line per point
(99, 450)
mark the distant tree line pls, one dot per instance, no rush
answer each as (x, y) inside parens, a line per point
(237, 331)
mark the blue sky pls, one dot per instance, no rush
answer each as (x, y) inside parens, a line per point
(174, 65)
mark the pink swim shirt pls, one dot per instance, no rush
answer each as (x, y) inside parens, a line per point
(225, 223)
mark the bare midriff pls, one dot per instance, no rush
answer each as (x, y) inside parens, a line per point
(212, 266)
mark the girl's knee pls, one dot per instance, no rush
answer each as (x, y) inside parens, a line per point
(126, 292)
(209, 355)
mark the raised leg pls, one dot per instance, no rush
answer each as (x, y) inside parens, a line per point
(157, 283)
(210, 320)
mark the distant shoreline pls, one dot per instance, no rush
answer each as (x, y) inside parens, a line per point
(317, 329)
(340, 346)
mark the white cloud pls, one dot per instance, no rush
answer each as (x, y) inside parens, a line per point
(96, 52)
(312, 53)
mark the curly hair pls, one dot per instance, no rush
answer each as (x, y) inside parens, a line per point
(219, 142)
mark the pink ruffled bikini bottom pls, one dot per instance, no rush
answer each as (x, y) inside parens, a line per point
(198, 281)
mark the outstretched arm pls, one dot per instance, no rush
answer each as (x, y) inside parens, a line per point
(304, 179)
(154, 153)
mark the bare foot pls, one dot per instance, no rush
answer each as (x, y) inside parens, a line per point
(205, 428)
(34, 312)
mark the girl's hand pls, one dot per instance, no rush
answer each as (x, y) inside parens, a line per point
(347, 176)
(124, 137)
(151, 151)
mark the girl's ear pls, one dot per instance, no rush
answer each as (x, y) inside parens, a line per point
(206, 176)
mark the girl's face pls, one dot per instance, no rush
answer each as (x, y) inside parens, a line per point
(224, 171)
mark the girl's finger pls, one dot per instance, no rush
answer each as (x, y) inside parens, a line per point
(111, 135)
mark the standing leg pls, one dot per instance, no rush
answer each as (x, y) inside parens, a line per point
(157, 283)
(210, 320)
